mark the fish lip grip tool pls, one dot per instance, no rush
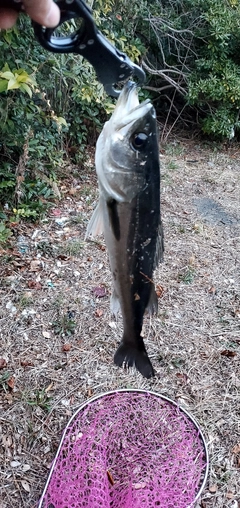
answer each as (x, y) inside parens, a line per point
(112, 66)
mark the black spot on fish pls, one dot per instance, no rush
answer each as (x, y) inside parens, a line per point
(114, 218)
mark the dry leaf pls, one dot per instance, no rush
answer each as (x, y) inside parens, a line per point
(101, 247)
(99, 292)
(25, 485)
(212, 290)
(62, 256)
(236, 449)
(99, 313)
(183, 377)
(47, 335)
(49, 387)
(110, 478)
(8, 397)
(56, 212)
(138, 486)
(213, 489)
(136, 296)
(159, 291)
(26, 363)
(3, 363)
(15, 463)
(25, 468)
(11, 382)
(35, 265)
(33, 284)
(66, 347)
(7, 441)
(229, 495)
(228, 353)
(236, 313)
(112, 325)
(192, 260)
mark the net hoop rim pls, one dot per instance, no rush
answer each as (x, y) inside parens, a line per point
(132, 390)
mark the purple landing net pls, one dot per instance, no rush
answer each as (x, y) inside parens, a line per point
(127, 449)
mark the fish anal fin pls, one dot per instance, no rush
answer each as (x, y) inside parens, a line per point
(159, 247)
(95, 225)
(131, 355)
(114, 303)
(152, 306)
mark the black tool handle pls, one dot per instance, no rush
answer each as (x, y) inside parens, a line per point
(11, 4)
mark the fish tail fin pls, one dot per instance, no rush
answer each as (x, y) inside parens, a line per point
(131, 355)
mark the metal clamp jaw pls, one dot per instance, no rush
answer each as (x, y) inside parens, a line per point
(111, 65)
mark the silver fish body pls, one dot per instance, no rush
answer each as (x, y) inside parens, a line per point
(128, 213)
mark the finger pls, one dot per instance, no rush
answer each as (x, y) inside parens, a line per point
(44, 12)
(7, 18)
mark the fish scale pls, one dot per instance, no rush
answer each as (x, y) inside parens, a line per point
(128, 214)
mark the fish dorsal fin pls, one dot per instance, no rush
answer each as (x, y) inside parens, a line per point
(95, 225)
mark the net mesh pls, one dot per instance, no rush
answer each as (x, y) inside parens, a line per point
(127, 450)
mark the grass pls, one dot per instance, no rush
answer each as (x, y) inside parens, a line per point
(39, 398)
(24, 300)
(174, 149)
(187, 275)
(64, 326)
(72, 248)
(172, 165)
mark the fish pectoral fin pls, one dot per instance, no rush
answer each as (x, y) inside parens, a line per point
(152, 306)
(115, 306)
(131, 355)
(95, 225)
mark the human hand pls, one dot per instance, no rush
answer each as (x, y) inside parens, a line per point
(44, 12)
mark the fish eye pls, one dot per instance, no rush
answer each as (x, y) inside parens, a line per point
(138, 140)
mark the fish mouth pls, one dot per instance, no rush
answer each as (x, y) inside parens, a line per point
(128, 97)
(128, 109)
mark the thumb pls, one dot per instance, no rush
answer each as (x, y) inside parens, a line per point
(44, 12)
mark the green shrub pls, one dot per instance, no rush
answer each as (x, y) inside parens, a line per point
(193, 58)
(52, 108)
(214, 84)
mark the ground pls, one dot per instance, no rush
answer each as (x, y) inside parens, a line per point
(58, 337)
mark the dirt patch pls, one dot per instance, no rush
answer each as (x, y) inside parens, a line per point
(58, 337)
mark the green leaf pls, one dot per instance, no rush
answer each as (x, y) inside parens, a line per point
(3, 85)
(7, 75)
(26, 88)
(12, 83)
(5, 68)
(61, 121)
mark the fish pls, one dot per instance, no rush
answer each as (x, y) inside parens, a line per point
(128, 214)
